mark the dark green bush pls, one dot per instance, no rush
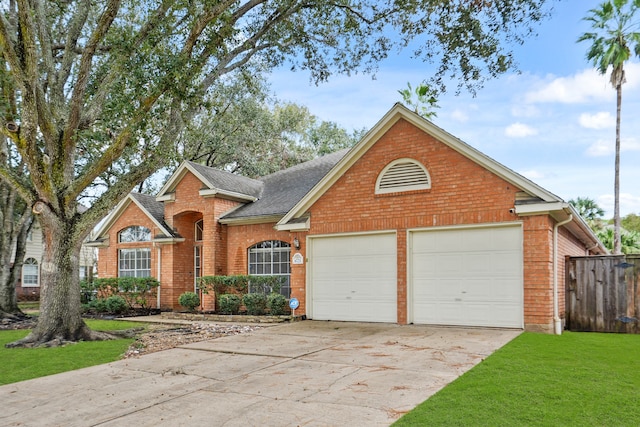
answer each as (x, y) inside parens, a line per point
(136, 291)
(277, 304)
(240, 284)
(255, 303)
(189, 300)
(229, 303)
(99, 305)
(115, 304)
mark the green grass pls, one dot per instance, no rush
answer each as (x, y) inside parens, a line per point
(576, 379)
(19, 364)
(29, 305)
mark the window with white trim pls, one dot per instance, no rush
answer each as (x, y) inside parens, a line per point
(198, 231)
(403, 175)
(135, 233)
(134, 262)
(30, 273)
(271, 258)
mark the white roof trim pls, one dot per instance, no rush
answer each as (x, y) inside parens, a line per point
(397, 112)
(212, 192)
(168, 240)
(119, 210)
(177, 176)
(296, 226)
(250, 220)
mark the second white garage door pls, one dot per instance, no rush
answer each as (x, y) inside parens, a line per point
(467, 276)
(353, 278)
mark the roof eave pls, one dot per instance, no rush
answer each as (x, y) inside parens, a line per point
(231, 195)
(259, 219)
(397, 112)
(295, 226)
(561, 211)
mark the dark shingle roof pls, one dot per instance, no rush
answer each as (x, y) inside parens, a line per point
(154, 208)
(226, 181)
(283, 189)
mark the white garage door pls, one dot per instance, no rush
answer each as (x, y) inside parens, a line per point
(467, 276)
(353, 278)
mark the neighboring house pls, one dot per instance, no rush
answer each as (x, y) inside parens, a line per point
(411, 225)
(28, 286)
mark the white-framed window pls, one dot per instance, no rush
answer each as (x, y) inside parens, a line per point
(271, 258)
(197, 266)
(134, 233)
(198, 231)
(403, 175)
(30, 273)
(134, 262)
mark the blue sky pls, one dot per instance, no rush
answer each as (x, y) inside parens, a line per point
(554, 122)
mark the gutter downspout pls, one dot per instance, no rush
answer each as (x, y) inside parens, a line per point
(557, 323)
(159, 247)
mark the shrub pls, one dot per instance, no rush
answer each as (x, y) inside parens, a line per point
(99, 305)
(277, 304)
(255, 303)
(229, 303)
(115, 304)
(189, 300)
(135, 290)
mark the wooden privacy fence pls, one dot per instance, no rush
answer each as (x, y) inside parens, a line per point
(602, 293)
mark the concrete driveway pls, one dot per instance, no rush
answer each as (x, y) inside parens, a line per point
(301, 374)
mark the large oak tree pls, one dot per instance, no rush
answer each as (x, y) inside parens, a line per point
(103, 89)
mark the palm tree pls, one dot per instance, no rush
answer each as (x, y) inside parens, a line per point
(613, 24)
(587, 208)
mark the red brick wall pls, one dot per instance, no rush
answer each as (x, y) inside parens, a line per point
(108, 256)
(462, 193)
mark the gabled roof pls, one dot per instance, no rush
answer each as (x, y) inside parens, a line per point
(283, 189)
(535, 199)
(215, 182)
(147, 204)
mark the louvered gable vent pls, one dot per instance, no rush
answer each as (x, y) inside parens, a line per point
(403, 175)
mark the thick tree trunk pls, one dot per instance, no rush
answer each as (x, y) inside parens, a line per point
(60, 319)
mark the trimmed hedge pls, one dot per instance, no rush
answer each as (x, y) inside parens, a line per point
(240, 284)
(136, 291)
(229, 303)
(277, 304)
(256, 304)
(189, 300)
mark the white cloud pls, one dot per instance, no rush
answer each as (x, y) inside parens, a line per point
(601, 148)
(606, 147)
(533, 174)
(601, 120)
(583, 86)
(520, 130)
(586, 85)
(525, 110)
(459, 116)
(628, 204)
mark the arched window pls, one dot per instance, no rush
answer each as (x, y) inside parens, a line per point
(271, 258)
(198, 231)
(135, 233)
(30, 273)
(403, 175)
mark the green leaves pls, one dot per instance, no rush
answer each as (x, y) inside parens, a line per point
(422, 99)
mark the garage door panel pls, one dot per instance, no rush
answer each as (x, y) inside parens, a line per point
(467, 276)
(354, 278)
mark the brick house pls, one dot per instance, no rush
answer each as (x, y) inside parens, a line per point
(411, 225)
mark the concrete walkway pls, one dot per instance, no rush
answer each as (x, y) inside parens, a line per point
(301, 374)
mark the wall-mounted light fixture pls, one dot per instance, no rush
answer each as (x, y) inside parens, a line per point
(296, 243)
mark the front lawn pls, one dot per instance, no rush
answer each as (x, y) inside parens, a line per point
(19, 364)
(575, 379)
